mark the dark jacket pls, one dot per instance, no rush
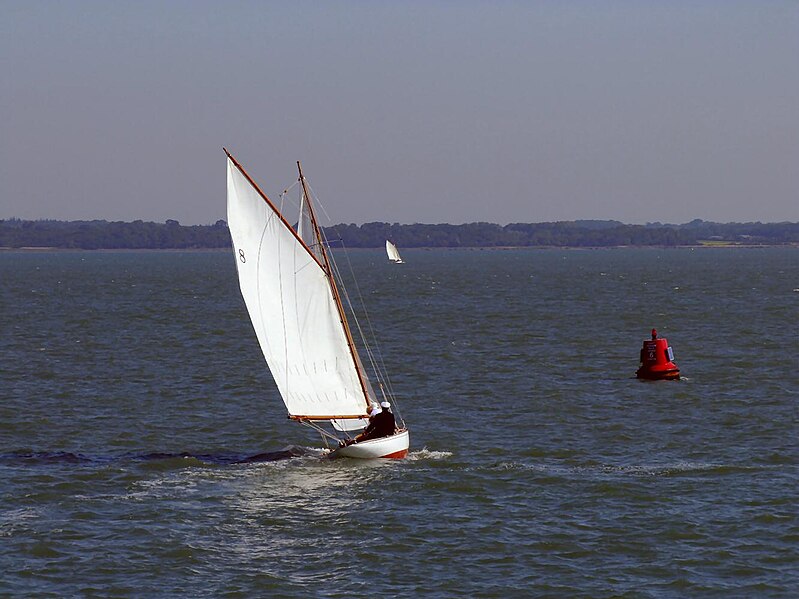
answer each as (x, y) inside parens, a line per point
(382, 425)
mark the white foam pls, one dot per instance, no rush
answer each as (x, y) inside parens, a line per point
(426, 454)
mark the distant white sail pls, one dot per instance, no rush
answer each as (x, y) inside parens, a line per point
(392, 252)
(291, 304)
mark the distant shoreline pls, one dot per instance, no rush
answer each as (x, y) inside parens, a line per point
(45, 249)
(40, 236)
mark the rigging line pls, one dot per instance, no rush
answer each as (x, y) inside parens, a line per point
(379, 353)
(362, 377)
(285, 195)
(318, 202)
(375, 354)
(381, 373)
(321, 431)
(290, 187)
(380, 370)
(369, 351)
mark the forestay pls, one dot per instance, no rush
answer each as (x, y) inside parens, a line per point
(292, 308)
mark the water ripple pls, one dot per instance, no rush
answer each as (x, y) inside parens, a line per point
(144, 450)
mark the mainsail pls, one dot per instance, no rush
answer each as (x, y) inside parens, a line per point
(392, 252)
(290, 294)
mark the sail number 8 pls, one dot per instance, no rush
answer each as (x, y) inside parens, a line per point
(241, 256)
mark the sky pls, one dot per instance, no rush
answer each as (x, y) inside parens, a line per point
(407, 112)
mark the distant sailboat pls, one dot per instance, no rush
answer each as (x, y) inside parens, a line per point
(393, 253)
(286, 276)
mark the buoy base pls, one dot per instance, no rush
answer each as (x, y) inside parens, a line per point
(663, 375)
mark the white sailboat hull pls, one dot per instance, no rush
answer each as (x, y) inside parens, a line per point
(395, 446)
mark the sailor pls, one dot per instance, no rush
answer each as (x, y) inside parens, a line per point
(384, 422)
(381, 424)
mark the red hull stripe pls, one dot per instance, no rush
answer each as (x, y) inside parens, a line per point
(397, 455)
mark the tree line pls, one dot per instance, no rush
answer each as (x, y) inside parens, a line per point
(100, 234)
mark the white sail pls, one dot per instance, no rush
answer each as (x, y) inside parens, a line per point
(392, 252)
(292, 307)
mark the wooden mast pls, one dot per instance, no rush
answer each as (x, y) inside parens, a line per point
(333, 288)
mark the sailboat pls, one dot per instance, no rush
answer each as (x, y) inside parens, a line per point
(287, 278)
(393, 253)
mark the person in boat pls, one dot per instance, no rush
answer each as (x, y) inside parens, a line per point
(381, 424)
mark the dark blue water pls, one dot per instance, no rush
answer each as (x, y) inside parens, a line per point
(144, 450)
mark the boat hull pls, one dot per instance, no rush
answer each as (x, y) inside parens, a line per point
(393, 447)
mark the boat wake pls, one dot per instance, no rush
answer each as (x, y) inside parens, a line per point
(426, 454)
(36, 458)
(183, 459)
(44, 458)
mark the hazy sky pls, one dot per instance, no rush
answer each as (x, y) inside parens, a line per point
(406, 111)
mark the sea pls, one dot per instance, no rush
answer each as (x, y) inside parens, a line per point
(145, 451)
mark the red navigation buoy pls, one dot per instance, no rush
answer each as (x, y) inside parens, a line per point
(657, 360)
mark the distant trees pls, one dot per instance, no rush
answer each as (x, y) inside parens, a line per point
(100, 234)
(561, 234)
